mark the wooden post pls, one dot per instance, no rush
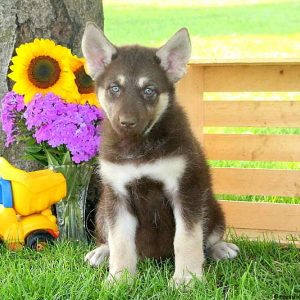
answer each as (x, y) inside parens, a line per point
(190, 96)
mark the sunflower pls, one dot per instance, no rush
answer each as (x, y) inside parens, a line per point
(42, 67)
(84, 82)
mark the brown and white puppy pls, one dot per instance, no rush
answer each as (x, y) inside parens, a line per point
(157, 199)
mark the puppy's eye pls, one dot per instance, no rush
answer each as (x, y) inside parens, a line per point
(148, 91)
(114, 89)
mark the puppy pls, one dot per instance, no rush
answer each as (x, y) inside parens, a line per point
(157, 199)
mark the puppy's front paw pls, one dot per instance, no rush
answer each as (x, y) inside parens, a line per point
(184, 279)
(112, 279)
(124, 277)
(97, 256)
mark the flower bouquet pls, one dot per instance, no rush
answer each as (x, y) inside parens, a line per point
(53, 109)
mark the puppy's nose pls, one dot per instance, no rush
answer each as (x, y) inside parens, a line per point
(128, 122)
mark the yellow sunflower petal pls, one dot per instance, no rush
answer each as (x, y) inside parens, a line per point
(13, 76)
(92, 99)
(28, 97)
(22, 51)
(76, 63)
(17, 60)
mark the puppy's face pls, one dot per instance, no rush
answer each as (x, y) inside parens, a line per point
(133, 90)
(133, 82)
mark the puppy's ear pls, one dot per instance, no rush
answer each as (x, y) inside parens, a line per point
(175, 54)
(97, 49)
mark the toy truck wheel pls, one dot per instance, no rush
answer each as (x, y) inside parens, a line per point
(39, 239)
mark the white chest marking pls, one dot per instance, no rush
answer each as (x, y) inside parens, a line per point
(166, 170)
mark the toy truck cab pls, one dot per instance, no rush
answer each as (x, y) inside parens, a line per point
(25, 201)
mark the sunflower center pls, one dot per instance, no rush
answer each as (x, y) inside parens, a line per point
(83, 81)
(43, 71)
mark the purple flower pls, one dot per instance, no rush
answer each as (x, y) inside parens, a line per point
(74, 125)
(12, 104)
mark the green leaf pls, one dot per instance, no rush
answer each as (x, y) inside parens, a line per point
(33, 148)
(36, 157)
(30, 141)
(54, 151)
(66, 160)
(51, 159)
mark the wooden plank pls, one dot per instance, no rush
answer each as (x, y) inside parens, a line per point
(252, 147)
(190, 94)
(252, 113)
(263, 216)
(256, 182)
(263, 221)
(251, 78)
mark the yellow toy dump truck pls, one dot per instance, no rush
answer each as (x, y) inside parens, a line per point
(25, 201)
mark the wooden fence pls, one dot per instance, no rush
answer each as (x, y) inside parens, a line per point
(280, 222)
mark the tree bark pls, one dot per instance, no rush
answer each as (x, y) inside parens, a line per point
(60, 20)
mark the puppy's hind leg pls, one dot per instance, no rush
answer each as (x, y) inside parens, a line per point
(98, 255)
(218, 249)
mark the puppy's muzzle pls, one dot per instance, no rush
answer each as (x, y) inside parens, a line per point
(127, 122)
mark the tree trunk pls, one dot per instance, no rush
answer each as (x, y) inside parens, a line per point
(23, 20)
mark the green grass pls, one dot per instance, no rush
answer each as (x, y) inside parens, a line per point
(150, 24)
(251, 130)
(262, 271)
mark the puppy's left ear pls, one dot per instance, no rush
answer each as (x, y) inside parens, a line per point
(175, 54)
(97, 50)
